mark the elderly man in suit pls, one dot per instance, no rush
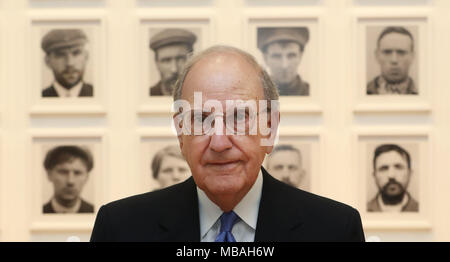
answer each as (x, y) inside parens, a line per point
(66, 55)
(229, 197)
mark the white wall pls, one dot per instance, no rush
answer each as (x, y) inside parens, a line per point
(337, 117)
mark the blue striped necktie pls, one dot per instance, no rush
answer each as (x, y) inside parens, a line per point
(227, 221)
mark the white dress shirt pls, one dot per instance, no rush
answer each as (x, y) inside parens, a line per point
(247, 210)
(64, 92)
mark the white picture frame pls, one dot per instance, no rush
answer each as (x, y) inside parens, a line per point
(95, 188)
(418, 143)
(149, 142)
(311, 65)
(149, 23)
(367, 26)
(93, 25)
(310, 144)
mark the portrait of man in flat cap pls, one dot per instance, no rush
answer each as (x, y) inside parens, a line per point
(170, 48)
(282, 49)
(391, 60)
(66, 56)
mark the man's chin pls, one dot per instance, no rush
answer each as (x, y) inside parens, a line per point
(225, 185)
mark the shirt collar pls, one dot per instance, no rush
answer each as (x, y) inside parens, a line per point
(62, 209)
(64, 92)
(247, 209)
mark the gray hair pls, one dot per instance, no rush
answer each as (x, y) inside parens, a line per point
(269, 88)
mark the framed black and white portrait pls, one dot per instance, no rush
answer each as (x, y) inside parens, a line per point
(395, 169)
(288, 49)
(295, 159)
(392, 63)
(395, 59)
(165, 45)
(162, 163)
(67, 66)
(67, 179)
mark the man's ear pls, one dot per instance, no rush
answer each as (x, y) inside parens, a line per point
(266, 57)
(86, 54)
(47, 60)
(180, 142)
(273, 124)
(377, 55)
(410, 173)
(302, 173)
(48, 175)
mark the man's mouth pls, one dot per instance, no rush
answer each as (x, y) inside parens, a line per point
(224, 165)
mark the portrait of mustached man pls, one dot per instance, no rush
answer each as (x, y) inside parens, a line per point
(392, 173)
(66, 56)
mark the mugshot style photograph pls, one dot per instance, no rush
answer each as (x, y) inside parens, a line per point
(392, 58)
(282, 49)
(168, 167)
(393, 178)
(67, 70)
(291, 164)
(169, 49)
(67, 186)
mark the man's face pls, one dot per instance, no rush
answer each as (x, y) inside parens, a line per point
(286, 166)
(395, 55)
(283, 59)
(223, 165)
(172, 171)
(68, 180)
(392, 174)
(68, 64)
(170, 61)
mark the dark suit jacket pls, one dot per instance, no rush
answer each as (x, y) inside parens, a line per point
(84, 208)
(285, 214)
(86, 90)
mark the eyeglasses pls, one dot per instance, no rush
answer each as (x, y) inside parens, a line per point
(237, 121)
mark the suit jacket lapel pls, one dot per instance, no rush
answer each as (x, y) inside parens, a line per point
(179, 220)
(277, 216)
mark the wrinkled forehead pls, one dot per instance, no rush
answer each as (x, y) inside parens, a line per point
(223, 76)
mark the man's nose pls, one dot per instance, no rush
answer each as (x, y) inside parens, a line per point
(70, 60)
(71, 178)
(220, 143)
(284, 62)
(394, 58)
(391, 173)
(173, 66)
